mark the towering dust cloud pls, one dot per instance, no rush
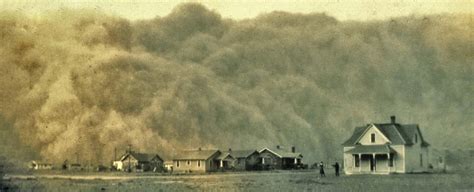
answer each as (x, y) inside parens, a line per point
(78, 83)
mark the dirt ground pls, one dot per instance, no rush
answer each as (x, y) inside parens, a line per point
(248, 181)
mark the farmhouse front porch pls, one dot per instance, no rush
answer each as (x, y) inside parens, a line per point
(372, 159)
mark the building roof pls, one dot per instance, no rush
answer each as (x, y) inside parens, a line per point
(242, 153)
(371, 149)
(282, 153)
(140, 156)
(393, 133)
(410, 130)
(358, 131)
(196, 154)
(398, 134)
(224, 156)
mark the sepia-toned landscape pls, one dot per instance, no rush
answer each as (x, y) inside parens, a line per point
(268, 181)
(194, 99)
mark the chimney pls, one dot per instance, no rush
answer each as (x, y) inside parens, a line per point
(392, 118)
(230, 149)
(278, 146)
(293, 149)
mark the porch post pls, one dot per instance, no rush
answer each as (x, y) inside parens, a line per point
(263, 161)
(374, 163)
(394, 164)
(353, 161)
(360, 162)
(221, 164)
(296, 161)
(388, 162)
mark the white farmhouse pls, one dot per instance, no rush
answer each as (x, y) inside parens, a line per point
(386, 148)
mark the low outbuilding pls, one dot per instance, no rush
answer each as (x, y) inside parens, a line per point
(244, 159)
(196, 161)
(279, 158)
(140, 162)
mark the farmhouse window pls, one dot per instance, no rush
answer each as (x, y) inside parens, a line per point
(189, 162)
(177, 163)
(199, 163)
(372, 138)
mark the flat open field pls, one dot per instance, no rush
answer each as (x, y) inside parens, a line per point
(249, 181)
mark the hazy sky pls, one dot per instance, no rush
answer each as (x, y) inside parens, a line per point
(78, 83)
(239, 9)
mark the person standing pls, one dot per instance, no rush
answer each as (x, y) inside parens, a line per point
(336, 168)
(321, 169)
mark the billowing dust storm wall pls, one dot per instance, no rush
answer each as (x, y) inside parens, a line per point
(78, 83)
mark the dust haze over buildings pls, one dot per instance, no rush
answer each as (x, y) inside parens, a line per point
(80, 82)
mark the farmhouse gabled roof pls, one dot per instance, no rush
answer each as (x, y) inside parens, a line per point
(410, 130)
(397, 134)
(358, 131)
(196, 154)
